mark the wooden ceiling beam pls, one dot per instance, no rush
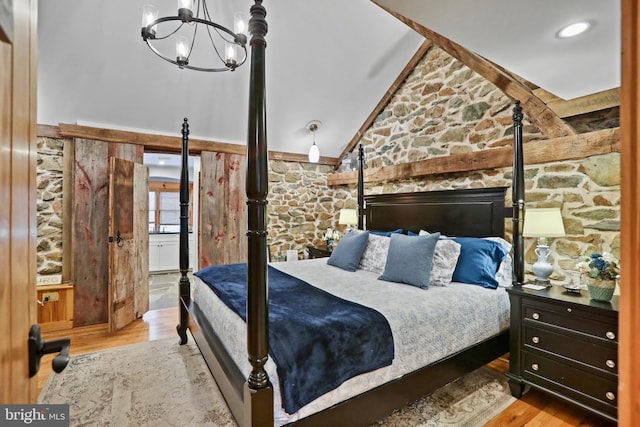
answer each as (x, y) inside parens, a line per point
(166, 144)
(537, 111)
(582, 105)
(535, 152)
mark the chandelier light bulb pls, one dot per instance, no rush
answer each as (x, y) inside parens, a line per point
(185, 4)
(182, 50)
(240, 23)
(149, 14)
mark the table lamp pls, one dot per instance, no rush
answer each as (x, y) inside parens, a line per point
(542, 223)
(348, 217)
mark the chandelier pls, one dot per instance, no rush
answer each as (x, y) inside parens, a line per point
(198, 39)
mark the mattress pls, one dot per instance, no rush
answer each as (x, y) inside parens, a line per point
(427, 325)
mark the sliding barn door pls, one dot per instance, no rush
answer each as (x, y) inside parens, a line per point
(128, 242)
(223, 209)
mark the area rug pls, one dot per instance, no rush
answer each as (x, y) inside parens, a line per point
(161, 383)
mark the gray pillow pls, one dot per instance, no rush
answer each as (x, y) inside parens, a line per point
(375, 254)
(409, 259)
(445, 259)
(348, 251)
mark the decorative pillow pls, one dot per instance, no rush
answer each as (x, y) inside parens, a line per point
(409, 259)
(445, 259)
(348, 251)
(387, 233)
(374, 256)
(478, 262)
(504, 276)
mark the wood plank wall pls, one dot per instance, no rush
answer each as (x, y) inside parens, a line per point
(223, 211)
(90, 225)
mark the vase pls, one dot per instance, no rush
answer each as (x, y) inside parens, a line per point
(600, 290)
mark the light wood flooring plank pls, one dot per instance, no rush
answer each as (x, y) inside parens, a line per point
(534, 409)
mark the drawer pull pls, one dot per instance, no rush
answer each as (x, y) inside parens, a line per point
(610, 395)
(537, 316)
(535, 367)
(610, 363)
(535, 340)
(610, 335)
(569, 310)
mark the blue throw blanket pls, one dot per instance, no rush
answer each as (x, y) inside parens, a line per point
(316, 339)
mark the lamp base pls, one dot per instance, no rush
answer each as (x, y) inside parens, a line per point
(542, 282)
(542, 269)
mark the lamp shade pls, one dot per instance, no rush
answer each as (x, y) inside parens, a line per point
(314, 153)
(348, 217)
(543, 222)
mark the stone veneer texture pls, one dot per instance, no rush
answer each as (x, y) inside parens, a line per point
(49, 206)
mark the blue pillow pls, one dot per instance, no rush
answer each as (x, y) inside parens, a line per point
(478, 262)
(387, 233)
(347, 253)
(409, 259)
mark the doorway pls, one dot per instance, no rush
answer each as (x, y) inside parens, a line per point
(164, 225)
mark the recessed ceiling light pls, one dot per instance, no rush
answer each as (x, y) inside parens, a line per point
(574, 29)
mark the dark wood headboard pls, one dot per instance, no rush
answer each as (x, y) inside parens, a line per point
(477, 212)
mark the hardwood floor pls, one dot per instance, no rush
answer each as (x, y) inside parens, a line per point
(534, 409)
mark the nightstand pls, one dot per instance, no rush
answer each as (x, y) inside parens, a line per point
(565, 344)
(319, 251)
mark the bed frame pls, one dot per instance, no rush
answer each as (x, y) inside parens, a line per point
(470, 212)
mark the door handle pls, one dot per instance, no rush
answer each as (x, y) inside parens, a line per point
(119, 239)
(39, 347)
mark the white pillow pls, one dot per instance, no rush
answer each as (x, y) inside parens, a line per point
(504, 276)
(374, 256)
(444, 262)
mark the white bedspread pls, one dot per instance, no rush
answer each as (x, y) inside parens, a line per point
(427, 325)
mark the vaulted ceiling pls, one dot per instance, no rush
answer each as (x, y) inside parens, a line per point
(329, 60)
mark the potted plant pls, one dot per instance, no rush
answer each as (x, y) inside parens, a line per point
(600, 272)
(331, 236)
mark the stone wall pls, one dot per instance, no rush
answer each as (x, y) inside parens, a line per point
(444, 108)
(301, 206)
(49, 206)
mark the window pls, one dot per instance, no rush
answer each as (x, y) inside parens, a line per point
(164, 207)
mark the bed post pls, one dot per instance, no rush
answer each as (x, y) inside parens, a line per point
(518, 197)
(184, 284)
(360, 187)
(258, 391)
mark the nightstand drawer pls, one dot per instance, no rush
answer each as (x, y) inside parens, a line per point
(570, 317)
(588, 351)
(599, 392)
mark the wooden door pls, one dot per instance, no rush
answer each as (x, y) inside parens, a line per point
(128, 242)
(222, 227)
(17, 198)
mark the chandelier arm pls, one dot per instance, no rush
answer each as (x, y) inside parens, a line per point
(215, 48)
(170, 34)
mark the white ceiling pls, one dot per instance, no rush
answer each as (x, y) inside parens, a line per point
(520, 36)
(327, 60)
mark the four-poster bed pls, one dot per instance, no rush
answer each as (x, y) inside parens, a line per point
(471, 213)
